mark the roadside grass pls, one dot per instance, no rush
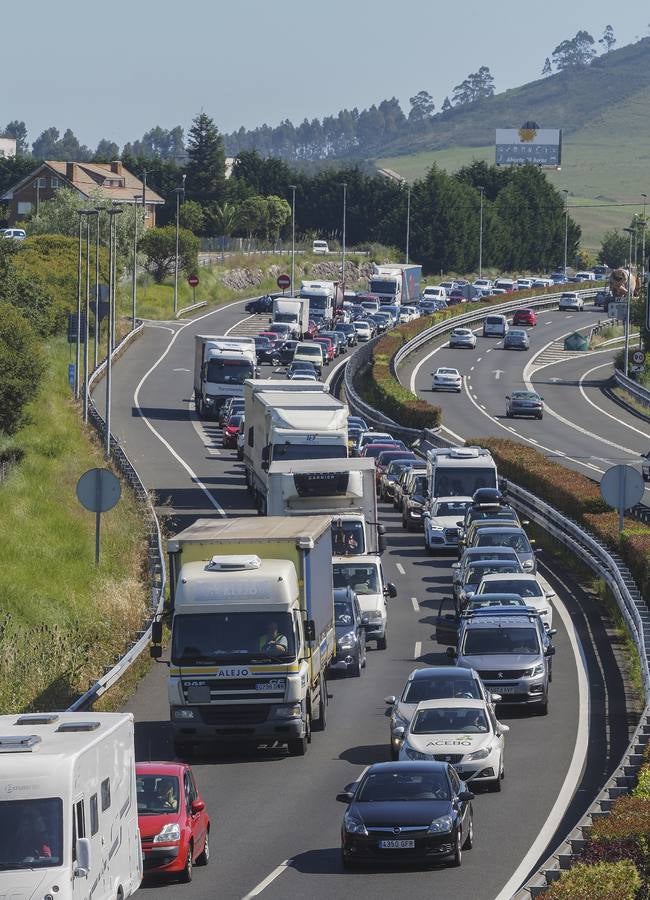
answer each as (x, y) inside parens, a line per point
(607, 334)
(629, 400)
(61, 618)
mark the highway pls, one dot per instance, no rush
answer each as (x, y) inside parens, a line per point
(275, 820)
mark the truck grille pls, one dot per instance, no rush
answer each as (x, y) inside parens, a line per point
(250, 714)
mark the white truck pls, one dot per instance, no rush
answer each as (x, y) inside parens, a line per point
(252, 620)
(325, 300)
(221, 366)
(343, 489)
(293, 311)
(285, 424)
(365, 576)
(459, 471)
(68, 807)
(396, 284)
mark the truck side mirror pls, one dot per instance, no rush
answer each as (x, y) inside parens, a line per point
(155, 651)
(310, 630)
(381, 538)
(156, 631)
(82, 868)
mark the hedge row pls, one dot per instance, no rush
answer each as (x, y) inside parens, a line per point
(604, 881)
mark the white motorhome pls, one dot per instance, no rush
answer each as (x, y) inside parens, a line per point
(68, 807)
(221, 365)
(459, 471)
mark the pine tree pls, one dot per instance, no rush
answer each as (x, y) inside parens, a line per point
(547, 67)
(446, 104)
(206, 169)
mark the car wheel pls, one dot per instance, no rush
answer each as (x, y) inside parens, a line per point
(457, 858)
(542, 709)
(204, 857)
(404, 525)
(469, 838)
(382, 643)
(186, 874)
(355, 670)
(540, 416)
(494, 787)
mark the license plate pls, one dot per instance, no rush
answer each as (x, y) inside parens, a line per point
(506, 689)
(397, 845)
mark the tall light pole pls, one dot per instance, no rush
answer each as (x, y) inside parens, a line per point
(134, 284)
(629, 302)
(480, 235)
(78, 335)
(642, 287)
(293, 239)
(345, 202)
(566, 226)
(408, 220)
(97, 311)
(112, 212)
(88, 213)
(179, 191)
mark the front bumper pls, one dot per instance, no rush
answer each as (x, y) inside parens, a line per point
(446, 386)
(526, 411)
(344, 660)
(162, 857)
(229, 722)
(427, 846)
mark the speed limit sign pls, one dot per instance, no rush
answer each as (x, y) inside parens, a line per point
(638, 357)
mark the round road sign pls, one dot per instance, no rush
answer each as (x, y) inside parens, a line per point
(638, 357)
(622, 487)
(193, 280)
(98, 490)
(283, 282)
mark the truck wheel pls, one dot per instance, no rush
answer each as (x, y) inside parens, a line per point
(321, 722)
(297, 747)
(382, 643)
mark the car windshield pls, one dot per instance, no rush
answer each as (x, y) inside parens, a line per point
(31, 834)
(475, 573)
(500, 641)
(525, 587)
(343, 613)
(311, 351)
(226, 371)
(459, 481)
(157, 794)
(449, 720)
(451, 508)
(441, 688)
(447, 372)
(240, 637)
(401, 787)
(517, 540)
(363, 579)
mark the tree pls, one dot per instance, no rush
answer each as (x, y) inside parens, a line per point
(18, 131)
(422, 107)
(446, 104)
(254, 216)
(614, 249)
(21, 366)
(574, 53)
(206, 168)
(159, 248)
(608, 40)
(547, 67)
(106, 151)
(477, 86)
(278, 214)
(191, 216)
(44, 147)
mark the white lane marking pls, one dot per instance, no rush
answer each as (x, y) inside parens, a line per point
(456, 437)
(482, 406)
(497, 373)
(471, 368)
(416, 605)
(400, 568)
(574, 772)
(180, 370)
(478, 359)
(489, 350)
(644, 434)
(241, 321)
(162, 327)
(418, 650)
(548, 323)
(269, 879)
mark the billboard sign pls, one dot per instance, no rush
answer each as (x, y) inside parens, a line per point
(528, 145)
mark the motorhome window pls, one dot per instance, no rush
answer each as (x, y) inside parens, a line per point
(284, 452)
(457, 481)
(94, 815)
(232, 637)
(500, 641)
(106, 794)
(31, 833)
(228, 371)
(383, 287)
(362, 579)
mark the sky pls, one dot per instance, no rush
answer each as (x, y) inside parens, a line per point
(116, 69)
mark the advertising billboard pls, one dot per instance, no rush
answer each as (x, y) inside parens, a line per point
(529, 145)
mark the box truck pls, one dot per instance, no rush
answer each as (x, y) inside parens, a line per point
(398, 284)
(294, 312)
(325, 300)
(68, 807)
(221, 366)
(252, 621)
(343, 489)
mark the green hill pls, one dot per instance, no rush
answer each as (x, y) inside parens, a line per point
(603, 111)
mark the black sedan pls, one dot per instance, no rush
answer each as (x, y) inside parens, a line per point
(260, 305)
(266, 350)
(524, 403)
(410, 811)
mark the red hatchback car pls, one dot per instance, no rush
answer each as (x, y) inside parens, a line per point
(174, 825)
(230, 431)
(328, 348)
(524, 317)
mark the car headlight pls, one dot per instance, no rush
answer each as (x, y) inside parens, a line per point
(416, 504)
(480, 754)
(209, 401)
(528, 564)
(347, 641)
(169, 832)
(353, 825)
(441, 825)
(289, 711)
(415, 754)
(537, 670)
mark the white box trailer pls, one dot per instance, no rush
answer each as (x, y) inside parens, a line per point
(341, 488)
(294, 312)
(221, 366)
(68, 807)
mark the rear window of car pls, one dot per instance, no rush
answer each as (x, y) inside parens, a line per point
(495, 320)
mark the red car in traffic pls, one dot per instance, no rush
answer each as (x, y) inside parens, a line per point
(173, 822)
(230, 431)
(328, 348)
(524, 317)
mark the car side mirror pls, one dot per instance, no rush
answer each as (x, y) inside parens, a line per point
(455, 565)
(345, 797)
(197, 806)
(507, 396)
(532, 541)
(390, 701)
(399, 733)
(550, 651)
(551, 632)
(392, 590)
(451, 652)
(465, 796)
(82, 868)
(504, 729)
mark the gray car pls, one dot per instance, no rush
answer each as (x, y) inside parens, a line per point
(524, 403)
(350, 625)
(516, 339)
(509, 536)
(472, 574)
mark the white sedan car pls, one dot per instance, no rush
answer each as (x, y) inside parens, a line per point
(463, 732)
(363, 330)
(446, 379)
(527, 586)
(571, 300)
(441, 528)
(462, 337)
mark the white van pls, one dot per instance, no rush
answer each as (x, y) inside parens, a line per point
(309, 351)
(16, 234)
(320, 247)
(434, 292)
(68, 806)
(506, 284)
(495, 326)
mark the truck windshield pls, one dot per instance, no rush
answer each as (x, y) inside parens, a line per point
(284, 452)
(227, 371)
(462, 482)
(31, 833)
(232, 637)
(383, 287)
(347, 538)
(316, 302)
(363, 579)
(500, 641)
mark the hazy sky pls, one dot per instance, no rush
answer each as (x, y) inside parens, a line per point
(115, 69)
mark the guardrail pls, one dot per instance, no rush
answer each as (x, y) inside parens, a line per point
(640, 394)
(185, 309)
(156, 562)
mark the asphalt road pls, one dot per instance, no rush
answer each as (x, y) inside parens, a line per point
(268, 808)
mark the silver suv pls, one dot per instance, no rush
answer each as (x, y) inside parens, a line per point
(509, 648)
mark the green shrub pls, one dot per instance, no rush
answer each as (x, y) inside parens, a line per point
(603, 881)
(642, 788)
(21, 366)
(629, 817)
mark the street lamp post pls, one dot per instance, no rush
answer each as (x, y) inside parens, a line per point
(408, 220)
(642, 286)
(179, 191)
(134, 284)
(345, 199)
(480, 235)
(566, 226)
(97, 311)
(112, 212)
(293, 239)
(78, 335)
(629, 303)
(88, 213)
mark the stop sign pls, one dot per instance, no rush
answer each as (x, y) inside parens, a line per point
(283, 282)
(192, 280)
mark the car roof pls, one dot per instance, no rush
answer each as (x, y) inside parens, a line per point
(452, 702)
(496, 577)
(453, 499)
(429, 765)
(442, 671)
(160, 768)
